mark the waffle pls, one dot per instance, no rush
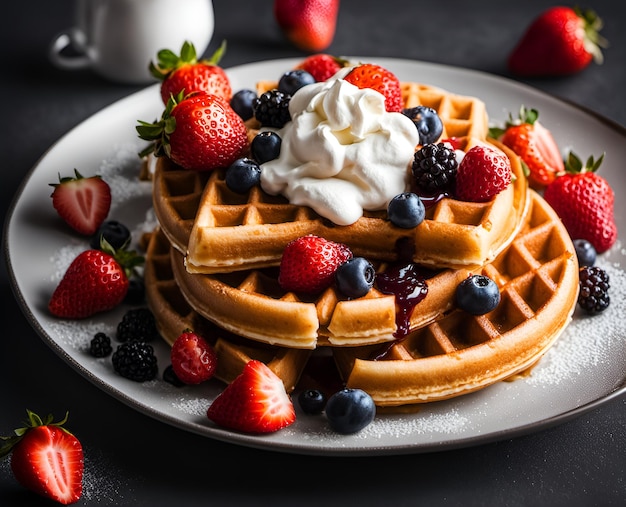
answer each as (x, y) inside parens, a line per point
(233, 231)
(251, 303)
(173, 315)
(538, 278)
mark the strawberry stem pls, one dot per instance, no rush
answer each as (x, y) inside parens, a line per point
(34, 420)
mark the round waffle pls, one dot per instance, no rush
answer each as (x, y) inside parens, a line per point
(538, 279)
(233, 231)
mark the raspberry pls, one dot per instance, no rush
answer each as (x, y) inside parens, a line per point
(593, 297)
(309, 264)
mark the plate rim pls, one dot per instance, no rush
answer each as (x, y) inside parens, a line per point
(253, 441)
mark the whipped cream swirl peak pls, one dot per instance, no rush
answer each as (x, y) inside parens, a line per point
(342, 153)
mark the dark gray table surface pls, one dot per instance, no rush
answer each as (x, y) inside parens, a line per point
(132, 459)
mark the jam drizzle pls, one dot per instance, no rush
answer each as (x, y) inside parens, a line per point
(407, 282)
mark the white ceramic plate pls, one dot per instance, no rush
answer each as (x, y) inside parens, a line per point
(584, 369)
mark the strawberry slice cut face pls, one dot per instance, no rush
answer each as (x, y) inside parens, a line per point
(255, 402)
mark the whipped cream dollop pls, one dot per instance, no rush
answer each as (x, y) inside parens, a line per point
(342, 153)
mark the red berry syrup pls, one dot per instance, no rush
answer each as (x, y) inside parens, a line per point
(408, 283)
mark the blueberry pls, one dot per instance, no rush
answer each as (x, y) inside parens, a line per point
(242, 175)
(406, 210)
(312, 401)
(242, 102)
(136, 294)
(427, 122)
(350, 410)
(355, 277)
(116, 233)
(585, 252)
(292, 80)
(265, 146)
(477, 294)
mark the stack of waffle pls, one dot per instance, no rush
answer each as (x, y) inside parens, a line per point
(212, 266)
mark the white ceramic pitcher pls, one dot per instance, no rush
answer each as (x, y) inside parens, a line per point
(119, 38)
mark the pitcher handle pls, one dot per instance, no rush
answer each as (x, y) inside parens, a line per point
(65, 39)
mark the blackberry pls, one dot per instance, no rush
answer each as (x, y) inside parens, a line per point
(593, 297)
(135, 360)
(434, 167)
(137, 324)
(100, 345)
(271, 109)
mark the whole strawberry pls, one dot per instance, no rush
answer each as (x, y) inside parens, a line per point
(95, 281)
(482, 174)
(309, 263)
(185, 72)
(193, 358)
(255, 402)
(322, 66)
(83, 203)
(561, 41)
(584, 202)
(369, 75)
(308, 24)
(199, 132)
(46, 458)
(535, 146)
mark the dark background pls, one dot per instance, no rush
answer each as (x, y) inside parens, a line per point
(132, 459)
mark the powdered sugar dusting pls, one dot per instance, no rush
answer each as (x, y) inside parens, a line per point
(588, 341)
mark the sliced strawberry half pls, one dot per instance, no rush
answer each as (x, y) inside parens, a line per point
(83, 203)
(255, 402)
(46, 459)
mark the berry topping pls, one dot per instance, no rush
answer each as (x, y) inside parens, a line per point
(355, 277)
(255, 402)
(46, 458)
(271, 109)
(193, 358)
(242, 103)
(477, 295)
(114, 232)
(585, 252)
(312, 401)
(535, 146)
(243, 174)
(350, 410)
(434, 167)
(482, 174)
(593, 297)
(406, 210)
(82, 202)
(100, 345)
(407, 282)
(135, 360)
(291, 81)
(427, 122)
(199, 132)
(372, 76)
(265, 146)
(309, 264)
(186, 73)
(137, 324)
(322, 66)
